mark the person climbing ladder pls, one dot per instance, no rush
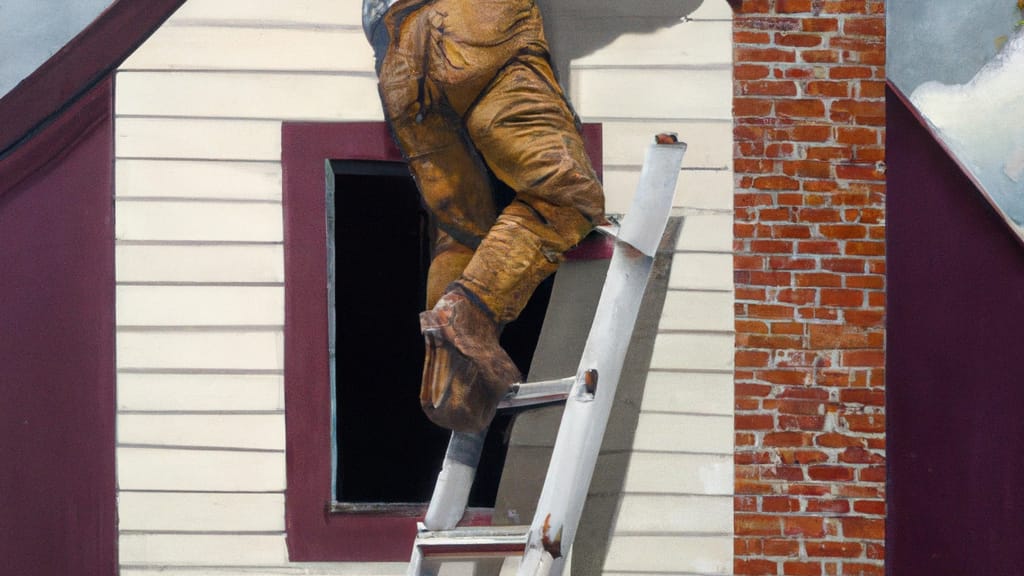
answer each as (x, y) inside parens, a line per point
(468, 90)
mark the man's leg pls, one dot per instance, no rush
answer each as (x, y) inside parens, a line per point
(529, 136)
(465, 371)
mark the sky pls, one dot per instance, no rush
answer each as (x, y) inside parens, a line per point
(983, 122)
(33, 30)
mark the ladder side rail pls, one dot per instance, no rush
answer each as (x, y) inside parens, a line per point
(586, 415)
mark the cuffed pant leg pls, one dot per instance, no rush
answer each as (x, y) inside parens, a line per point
(450, 260)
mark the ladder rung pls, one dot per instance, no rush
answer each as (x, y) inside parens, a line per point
(532, 393)
(473, 541)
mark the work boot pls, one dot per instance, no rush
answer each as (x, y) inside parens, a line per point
(466, 372)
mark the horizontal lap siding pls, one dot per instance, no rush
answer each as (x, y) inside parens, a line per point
(200, 295)
(199, 107)
(676, 513)
(198, 179)
(675, 79)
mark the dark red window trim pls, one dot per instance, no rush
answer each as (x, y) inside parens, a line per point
(314, 533)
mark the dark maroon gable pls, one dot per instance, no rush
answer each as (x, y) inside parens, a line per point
(314, 534)
(955, 333)
(57, 487)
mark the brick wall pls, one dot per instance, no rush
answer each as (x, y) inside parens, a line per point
(810, 286)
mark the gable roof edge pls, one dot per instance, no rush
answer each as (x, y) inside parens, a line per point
(77, 67)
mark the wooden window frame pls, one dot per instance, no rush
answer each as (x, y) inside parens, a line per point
(317, 530)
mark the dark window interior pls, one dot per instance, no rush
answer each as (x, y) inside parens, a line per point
(387, 451)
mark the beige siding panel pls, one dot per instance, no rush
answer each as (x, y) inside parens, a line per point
(686, 43)
(690, 392)
(248, 95)
(302, 12)
(697, 311)
(192, 179)
(684, 433)
(645, 93)
(248, 263)
(200, 470)
(167, 511)
(701, 271)
(671, 554)
(680, 474)
(202, 550)
(704, 189)
(709, 144)
(693, 352)
(200, 306)
(198, 221)
(674, 513)
(216, 139)
(201, 350)
(253, 48)
(708, 232)
(249, 431)
(200, 392)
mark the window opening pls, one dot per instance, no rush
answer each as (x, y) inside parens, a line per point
(380, 237)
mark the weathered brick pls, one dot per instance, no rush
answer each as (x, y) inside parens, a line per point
(751, 107)
(819, 56)
(765, 55)
(819, 24)
(780, 547)
(780, 504)
(834, 473)
(787, 439)
(876, 507)
(834, 549)
(798, 40)
(864, 26)
(807, 526)
(828, 506)
(802, 569)
(754, 567)
(843, 298)
(792, 6)
(863, 569)
(866, 528)
(857, 135)
(753, 6)
(776, 183)
(767, 88)
(754, 422)
(800, 108)
(810, 284)
(870, 423)
(758, 525)
(748, 37)
(828, 89)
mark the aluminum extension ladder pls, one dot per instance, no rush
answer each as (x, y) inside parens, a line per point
(545, 544)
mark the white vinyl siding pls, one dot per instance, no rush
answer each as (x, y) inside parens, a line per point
(676, 514)
(200, 279)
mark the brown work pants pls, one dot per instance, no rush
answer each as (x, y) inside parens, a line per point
(467, 85)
